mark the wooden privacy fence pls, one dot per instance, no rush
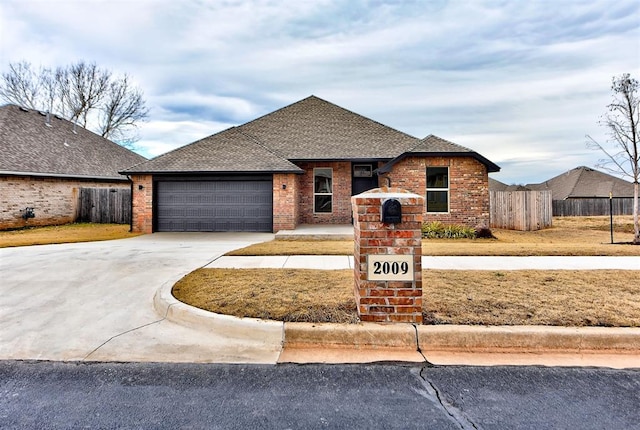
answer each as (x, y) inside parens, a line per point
(592, 207)
(520, 210)
(105, 205)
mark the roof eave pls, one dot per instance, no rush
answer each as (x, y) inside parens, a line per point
(122, 178)
(211, 172)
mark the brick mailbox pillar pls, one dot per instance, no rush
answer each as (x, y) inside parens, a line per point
(387, 255)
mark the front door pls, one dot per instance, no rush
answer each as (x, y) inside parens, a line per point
(363, 178)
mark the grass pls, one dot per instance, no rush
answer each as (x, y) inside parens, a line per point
(579, 236)
(69, 233)
(524, 297)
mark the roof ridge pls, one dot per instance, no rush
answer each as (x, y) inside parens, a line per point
(577, 177)
(314, 97)
(364, 117)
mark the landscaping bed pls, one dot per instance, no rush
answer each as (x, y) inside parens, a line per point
(520, 297)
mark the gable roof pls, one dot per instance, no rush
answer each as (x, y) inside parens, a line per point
(584, 182)
(310, 129)
(315, 129)
(230, 151)
(495, 185)
(36, 144)
(436, 146)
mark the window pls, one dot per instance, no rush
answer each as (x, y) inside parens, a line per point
(437, 189)
(362, 171)
(322, 190)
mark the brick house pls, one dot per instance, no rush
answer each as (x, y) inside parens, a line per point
(300, 165)
(45, 160)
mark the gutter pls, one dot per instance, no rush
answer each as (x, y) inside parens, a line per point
(61, 175)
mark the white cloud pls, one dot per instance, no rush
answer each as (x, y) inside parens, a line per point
(519, 82)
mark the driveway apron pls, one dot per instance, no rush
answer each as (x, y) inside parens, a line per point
(93, 301)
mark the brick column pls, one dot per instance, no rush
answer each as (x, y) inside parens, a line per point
(142, 214)
(285, 201)
(382, 252)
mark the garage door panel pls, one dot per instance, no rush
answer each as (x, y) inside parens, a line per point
(222, 205)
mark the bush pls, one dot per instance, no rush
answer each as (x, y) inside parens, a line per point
(438, 230)
(484, 233)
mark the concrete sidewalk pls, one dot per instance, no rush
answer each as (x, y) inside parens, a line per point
(335, 262)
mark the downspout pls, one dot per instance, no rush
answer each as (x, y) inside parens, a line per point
(130, 205)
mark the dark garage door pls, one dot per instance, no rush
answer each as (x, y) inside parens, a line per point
(214, 205)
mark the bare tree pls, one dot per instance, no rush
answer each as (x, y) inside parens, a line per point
(121, 110)
(84, 93)
(622, 121)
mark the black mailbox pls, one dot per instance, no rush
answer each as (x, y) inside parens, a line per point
(391, 212)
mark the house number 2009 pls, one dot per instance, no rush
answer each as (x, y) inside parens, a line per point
(396, 267)
(385, 268)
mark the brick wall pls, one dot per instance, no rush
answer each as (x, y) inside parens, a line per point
(468, 187)
(142, 214)
(387, 301)
(285, 201)
(341, 194)
(55, 200)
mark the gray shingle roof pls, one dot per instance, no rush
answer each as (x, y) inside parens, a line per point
(311, 129)
(495, 185)
(29, 146)
(314, 129)
(586, 183)
(434, 146)
(230, 151)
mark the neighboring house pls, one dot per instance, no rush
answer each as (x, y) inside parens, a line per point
(495, 185)
(45, 160)
(300, 165)
(584, 191)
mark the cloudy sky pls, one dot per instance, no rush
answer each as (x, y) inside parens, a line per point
(519, 81)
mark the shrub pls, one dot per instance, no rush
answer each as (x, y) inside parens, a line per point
(484, 233)
(438, 230)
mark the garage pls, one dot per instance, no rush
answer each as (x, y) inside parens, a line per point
(219, 204)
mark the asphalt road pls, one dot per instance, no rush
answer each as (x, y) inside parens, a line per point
(168, 396)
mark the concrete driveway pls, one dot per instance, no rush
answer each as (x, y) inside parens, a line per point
(94, 301)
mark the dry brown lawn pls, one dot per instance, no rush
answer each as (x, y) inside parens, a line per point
(69, 233)
(569, 236)
(529, 297)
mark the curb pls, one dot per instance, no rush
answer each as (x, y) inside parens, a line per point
(465, 339)
(277, 335)
(269, 334)
(530, 339)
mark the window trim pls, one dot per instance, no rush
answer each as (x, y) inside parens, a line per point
(446, 189)
(330, 169)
